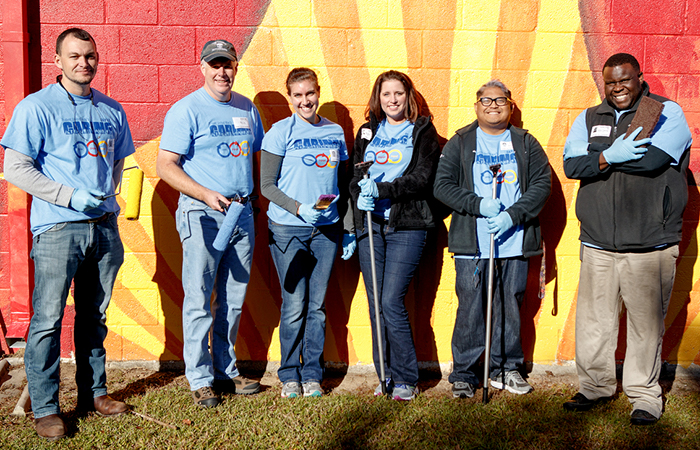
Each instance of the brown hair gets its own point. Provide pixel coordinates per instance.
(375, 107)
(301, 74)
(77, 33)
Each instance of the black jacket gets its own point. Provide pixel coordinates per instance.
(633, 206)
(411, 194)
(454, 187)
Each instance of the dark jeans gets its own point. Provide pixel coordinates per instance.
(469, 336)
(303, 257)
(396, 254)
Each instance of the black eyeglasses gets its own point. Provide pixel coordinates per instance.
(500, 101)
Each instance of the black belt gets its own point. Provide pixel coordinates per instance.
(102, 218)
(243, 200)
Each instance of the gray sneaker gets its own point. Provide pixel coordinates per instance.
(312, 389)
(389, 388)
(291, 389)
(462, 389)
(404, 392)
(513, 383)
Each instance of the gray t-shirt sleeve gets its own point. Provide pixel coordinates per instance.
(20, 171)
(270, 165)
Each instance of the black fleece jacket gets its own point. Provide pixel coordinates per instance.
(411, 194)
(454, 186)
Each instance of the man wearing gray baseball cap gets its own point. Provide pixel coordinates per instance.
(206, 152)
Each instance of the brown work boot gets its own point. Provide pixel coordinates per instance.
(205, 397)
(50, 427)
(108, 407)
(237, 385)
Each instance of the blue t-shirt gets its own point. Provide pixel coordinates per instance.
(217, 140)
(492, 150)
(391, 149)
(309, 169)
(671, 133)
(75, 145)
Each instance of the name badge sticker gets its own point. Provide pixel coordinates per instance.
(366, 134)
(506, 145)
(110, 146)
(335, 156)
(241, 122)
(601, 131)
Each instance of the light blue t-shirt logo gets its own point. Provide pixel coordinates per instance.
(234, 149)
(393, 156)
(321, 160)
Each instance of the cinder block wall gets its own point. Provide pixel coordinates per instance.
(548, 52)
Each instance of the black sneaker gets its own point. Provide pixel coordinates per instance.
(641, 417)
(581, 403)
(205, 397)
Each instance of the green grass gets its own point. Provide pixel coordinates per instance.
(349, 421)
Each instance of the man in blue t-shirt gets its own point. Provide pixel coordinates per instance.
(66, 145)
(464, 181)
(206, 153)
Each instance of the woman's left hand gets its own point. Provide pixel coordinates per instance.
(368, 188)
(349, 245)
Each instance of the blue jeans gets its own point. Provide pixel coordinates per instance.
(396, 254)
(469, 336)
(89, 254)
(204, 270)
(303, 257)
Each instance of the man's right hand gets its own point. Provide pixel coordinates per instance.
(85, 199)
(214, 200)
(626, 149)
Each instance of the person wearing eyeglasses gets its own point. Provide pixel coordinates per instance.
(65, 145)
(464, 182)
(206, 153)
(630, 206)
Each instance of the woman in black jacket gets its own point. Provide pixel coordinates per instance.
(404, 148)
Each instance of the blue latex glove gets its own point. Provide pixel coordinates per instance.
(490, 207)
(624, 150)
(365, 203)
(85, 199)
(349, 245)
(572, 149)
(308, 213)
(499, 224)
(368, 188)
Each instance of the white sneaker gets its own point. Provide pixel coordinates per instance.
(513, 383)
(312, 389)
(291, 389)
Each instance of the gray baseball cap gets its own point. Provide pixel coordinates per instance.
(218, 49)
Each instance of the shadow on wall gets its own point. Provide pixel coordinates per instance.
(552, 223)
(677, 329)
(168, 268)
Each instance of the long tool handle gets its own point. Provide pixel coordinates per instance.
(377, 317)
(489, 296)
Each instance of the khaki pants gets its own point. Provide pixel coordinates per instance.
(644, 282)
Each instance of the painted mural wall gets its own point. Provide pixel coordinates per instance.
(549, 52)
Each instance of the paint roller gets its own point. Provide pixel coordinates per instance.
(133, 198)
(233, 212)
